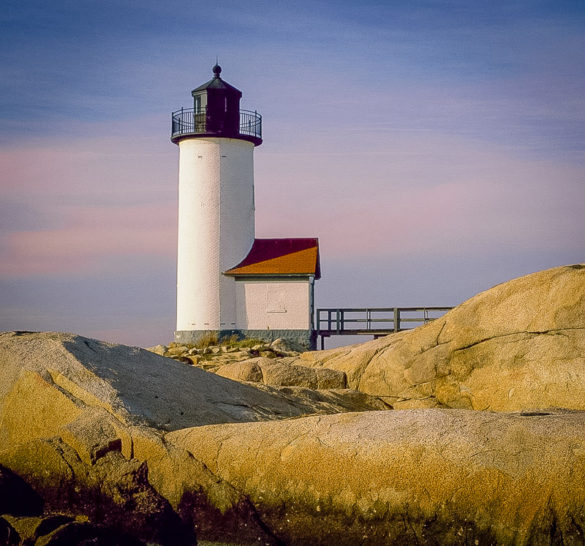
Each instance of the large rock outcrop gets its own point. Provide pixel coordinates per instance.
(518, 345)
(406, 477)
(276, 373)
(82, 422)
(113, 444)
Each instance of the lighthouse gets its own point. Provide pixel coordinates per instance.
(225, 277)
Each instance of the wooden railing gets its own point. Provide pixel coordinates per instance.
(376, 321)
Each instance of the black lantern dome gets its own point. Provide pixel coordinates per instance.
(216, 113)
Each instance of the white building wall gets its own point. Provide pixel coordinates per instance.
(273, 304)
(216, 228)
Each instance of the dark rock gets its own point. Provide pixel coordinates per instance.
(8, 534)
(16, 496)
(85, 534)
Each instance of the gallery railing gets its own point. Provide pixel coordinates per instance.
(188, 121)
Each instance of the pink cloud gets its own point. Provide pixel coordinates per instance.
(90, 235)
(109, 161)
(420, 194)
(396, 193)
(94, 198)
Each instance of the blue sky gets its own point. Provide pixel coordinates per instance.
(436, 148)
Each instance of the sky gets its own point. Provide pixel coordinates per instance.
(436, 148)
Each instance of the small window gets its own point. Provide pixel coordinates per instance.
(197, 107)
(225, 104)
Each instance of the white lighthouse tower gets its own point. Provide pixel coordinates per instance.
(228, 282)
(216, 204)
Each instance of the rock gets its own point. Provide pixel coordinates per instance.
(286, 346)
(32, 528)
(79, 419)
(415, 476)
(16, 496)
(519, 345)
(114, 491)
(178, 350)
(8, 534)
(76, 532)
(158, 349)
(331, 400)
(240, 355)
(154, 450)
(46, 381)
(248, 370)
(279, 374)
(280, 345)
(183, 359)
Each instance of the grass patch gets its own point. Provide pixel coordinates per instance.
(207, 340)
(211, 339)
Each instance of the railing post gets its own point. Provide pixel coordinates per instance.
(396, 319)
(337, 319)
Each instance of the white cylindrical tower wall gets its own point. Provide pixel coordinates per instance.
(216, 228)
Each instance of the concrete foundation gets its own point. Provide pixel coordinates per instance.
(307, 339)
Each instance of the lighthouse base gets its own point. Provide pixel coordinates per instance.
(305, 339)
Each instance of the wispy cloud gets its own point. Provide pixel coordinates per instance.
(85, 201)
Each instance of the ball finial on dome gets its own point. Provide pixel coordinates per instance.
(217, 70)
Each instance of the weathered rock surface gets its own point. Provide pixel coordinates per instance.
(282, 374)
(120, 445)
(408, 477)
(48, 379)
(82, 421)
(227, 351)
(518, 345)
(245, 370)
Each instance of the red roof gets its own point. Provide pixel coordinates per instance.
(271, 257)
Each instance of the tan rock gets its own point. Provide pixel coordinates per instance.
(158, 349)
(519, 345)
(113, 490)
(193, 359)
(279, 374)
(416, 476)
(178, 350)
(31, 529)
(280, 345)
(81, 420)
(326, 401)
(47, 381)
(247, 370)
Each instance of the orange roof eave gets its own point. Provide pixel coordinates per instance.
(303, 262)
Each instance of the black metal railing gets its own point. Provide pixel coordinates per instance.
(188, 121)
